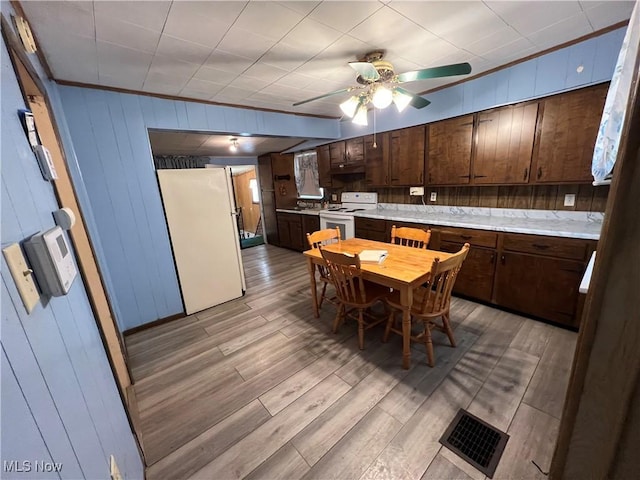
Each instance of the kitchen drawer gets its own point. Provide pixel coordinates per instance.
(371, 224)
(478, 238)
(570, 248)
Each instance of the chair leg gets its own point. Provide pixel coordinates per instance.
(322, 295)
(360, 329)
(336, 322)
(447, 329)
(428, 343)
(387, 329)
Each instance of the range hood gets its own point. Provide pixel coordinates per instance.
(347, 169)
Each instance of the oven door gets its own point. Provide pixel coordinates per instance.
(345, 223)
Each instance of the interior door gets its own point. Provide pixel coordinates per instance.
(200, 211)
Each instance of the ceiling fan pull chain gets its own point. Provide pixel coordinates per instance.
(375, 145)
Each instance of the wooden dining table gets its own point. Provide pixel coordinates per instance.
(404, 269)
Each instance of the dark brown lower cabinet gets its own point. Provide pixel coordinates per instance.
(293, 229)
(475, 278)
(544, 287)
(371, 229)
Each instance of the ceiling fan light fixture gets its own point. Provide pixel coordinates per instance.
(401, 100)
(234, 145)
(382, 97)
(360, 118)
(350, 106)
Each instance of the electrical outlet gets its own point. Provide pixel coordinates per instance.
(569, 199)
(419, 191)
(433, 197)
(334, 197)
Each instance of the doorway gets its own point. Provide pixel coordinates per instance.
(247, 196)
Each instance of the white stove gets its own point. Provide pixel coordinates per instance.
(343, 216)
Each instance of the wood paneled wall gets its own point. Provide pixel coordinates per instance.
(539, 197)
(244, 200)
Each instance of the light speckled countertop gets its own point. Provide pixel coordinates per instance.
(585, 225)
(306, 211)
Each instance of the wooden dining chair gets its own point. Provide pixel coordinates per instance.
(353, 292)
(430, 302)
(410, 237)
(319, 239)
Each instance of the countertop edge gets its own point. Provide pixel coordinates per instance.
(460, 223)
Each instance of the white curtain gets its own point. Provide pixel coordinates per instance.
(306, 173)
(606, 149)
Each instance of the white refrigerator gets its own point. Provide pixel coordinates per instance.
(201, 216)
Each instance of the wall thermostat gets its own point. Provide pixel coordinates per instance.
(51, 261)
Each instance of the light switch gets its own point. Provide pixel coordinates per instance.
(22, 276)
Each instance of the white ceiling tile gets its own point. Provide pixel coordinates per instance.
(343, 16)
(345, 49)
(138, 13)
(421, 47)
(265, 72)
(302, 7)
(285, 56)
(116, 61)
(530, 16)
(234, 92)
(456, 22)
(194, 94)
(203, 86)
(383, 27)
(561, 32)
(201, 22)
(245, 43)
(228, 62)
(603, 14)
(268, 19)
(173, 67)
(165, 79)
(187, 51)
(296, 80)
(214, 75)
(497, 39)
(65, 16)
(250, 83)
(509, 52)
(287, 93)
(72, 69)
(126, 34)
(129, 82)
(312, 36)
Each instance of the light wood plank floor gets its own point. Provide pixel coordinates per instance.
(258, 388)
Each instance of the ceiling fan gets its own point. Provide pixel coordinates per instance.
(379, 84)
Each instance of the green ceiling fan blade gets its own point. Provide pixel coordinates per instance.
(416, 100)
(366, 70)
(435, 72)
(344, 90)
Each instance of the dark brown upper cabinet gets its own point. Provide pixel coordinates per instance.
(377, 159)
(449, 157)
(346, 152)
(324, 166)
(407, 156)
(504, 145)
(566, 135)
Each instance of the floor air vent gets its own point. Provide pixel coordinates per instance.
(475, 441)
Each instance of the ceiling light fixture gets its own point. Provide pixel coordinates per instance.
(382, 97)
(234, 145)
(360, 118)
(349, 106)
(401, 100)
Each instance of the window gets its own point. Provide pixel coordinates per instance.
(306, 172)
(253, 186)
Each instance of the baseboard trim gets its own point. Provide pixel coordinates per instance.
(155, 323)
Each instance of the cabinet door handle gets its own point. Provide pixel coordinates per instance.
(386, 179)
(526, 172)
(540, 246)
(479, 176)
(493, 257)
(465, 176)
(421, 175)
(502, 259)
(486, 120)
(539, 172)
